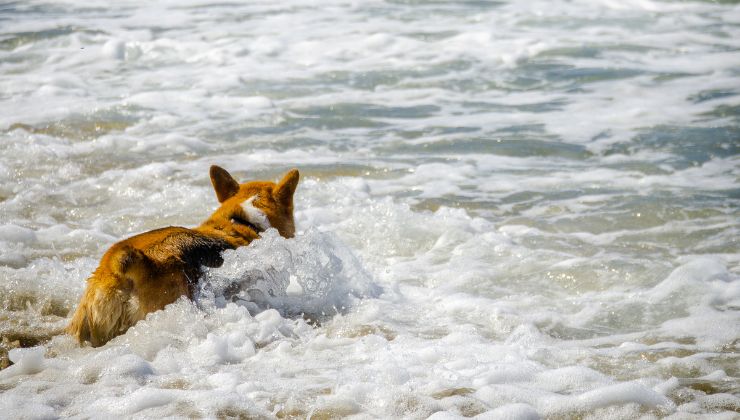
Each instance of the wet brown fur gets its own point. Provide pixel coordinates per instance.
(146, 272)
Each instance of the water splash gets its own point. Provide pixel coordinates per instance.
(314, 274)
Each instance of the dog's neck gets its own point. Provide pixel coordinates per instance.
(228, 232)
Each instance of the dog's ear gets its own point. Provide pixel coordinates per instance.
(286, 187)
(224, 184)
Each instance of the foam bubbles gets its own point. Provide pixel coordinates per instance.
(27, 361)
(507, 208)
(115, 49)
(325, 275)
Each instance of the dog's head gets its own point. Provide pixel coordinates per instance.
(250, 208)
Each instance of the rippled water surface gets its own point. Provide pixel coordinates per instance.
(508, 209)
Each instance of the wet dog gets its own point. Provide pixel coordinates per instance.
(146, 272)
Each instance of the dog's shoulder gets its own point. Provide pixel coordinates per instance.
(178, 245)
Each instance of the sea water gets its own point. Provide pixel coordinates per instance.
(508, 209)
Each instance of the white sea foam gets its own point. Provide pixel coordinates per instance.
(313, 274)
(506, 210)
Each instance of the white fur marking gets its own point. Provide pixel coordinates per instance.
(255, 215)
(133, 306)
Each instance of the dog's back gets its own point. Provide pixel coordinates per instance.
(139, 275)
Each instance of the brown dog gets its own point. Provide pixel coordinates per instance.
(148, 271)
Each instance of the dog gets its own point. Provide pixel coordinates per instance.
(146, 272)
